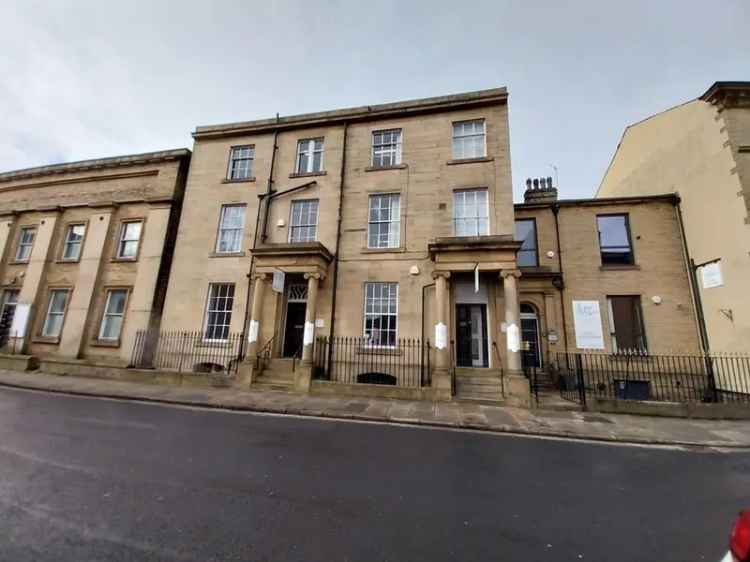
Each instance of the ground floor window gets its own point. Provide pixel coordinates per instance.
(219, 311)
(53, 322)
(7, 311)
(114, 312)
(381, 313)
(626, 323)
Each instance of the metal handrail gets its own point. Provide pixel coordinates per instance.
(453, 368)
(265, 351)
(296, 354)
(500, 366)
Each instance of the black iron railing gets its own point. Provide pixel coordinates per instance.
(356, 360)
(186, 352)
(690, 377)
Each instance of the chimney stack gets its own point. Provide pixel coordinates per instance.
(540, 190)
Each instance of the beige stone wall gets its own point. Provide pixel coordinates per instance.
(100, 197)
(694, 150)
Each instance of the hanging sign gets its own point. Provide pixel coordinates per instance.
(711, 275)
(278, 281)
(587, 320)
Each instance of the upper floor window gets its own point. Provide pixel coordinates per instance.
(526, 234)
(25, 243)
(303, 225)
(384, 222)
(309, 156)
(381, 313)
(614, 239)
(53, 321)
(241, 162)
(114, 313)
(469, 139)
(130, 236)
(218, 311)
(471, 213)
(73, 241)
(626, 323)
(386, 148)
(231, 226)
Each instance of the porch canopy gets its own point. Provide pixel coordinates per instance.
(463, 253)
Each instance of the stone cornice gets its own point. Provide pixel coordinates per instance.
(362, 113)
(145, 158)
(728, 94)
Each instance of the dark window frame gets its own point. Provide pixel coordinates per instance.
(631, 260)
(617, 348)
(536, 240)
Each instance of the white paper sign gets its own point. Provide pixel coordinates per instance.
(513, 337)
(278, 281)
(441, 335)
(711, 275)
(476, 278)
(307, 339)
(20, 320)
(320, 323)
(252, 333)
(587, 320)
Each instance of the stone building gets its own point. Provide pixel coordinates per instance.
(396, 221)
(86, 249)
(701, 150)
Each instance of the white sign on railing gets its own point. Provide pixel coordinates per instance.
(587, 320)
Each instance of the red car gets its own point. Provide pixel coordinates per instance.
(739, 540)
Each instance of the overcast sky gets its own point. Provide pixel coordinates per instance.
(86, 79)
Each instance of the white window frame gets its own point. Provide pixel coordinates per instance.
(477, 217)
(293, 226)
(222, 228)
(106, 314)
(463, 136)
(68, 242)
(49, 313)
(22, 245)
(121, 240)
(314, 146)
(379, 150)
(250, 159)
(394, 222)
(365, 315)
(208, 310)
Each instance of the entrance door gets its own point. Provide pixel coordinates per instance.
(530, 357)
(294, 328)
(471, 335)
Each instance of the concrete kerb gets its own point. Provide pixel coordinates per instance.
(322, 414)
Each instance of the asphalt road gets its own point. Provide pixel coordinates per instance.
(86, 479)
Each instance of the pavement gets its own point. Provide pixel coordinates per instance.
(562, 423)
(100, 480)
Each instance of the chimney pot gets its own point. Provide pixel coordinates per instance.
(528, 183)
(549, 182)
(536, 183)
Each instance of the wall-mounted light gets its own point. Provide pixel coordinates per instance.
(656, 299)
(414, 270)
(550, 254)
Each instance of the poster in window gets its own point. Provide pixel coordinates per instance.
(711, 275)
(587, 320)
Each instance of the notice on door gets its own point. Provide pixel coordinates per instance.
(587, 320)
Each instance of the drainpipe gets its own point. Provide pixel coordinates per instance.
(338, 240)
(269, 189)
(267, 202)
(692, 277)
(561, 287)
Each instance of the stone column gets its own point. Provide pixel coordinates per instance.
(441, 380)
(253, 330)
(312, 301)
(512, 319)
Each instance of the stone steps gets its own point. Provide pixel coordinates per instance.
(482, 385)
(276, 375)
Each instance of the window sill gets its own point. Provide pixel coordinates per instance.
(469, 160)
(124, 260)
(243, 180)
(61, 260)
(398, 250)
(18, 262)
(307, 174)
(45, 339)
(226, 255)
(375, 350)
(615, 267)
(379, 168)
(105, 343)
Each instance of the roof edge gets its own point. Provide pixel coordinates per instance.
(96, 163)
(383, 110)
(595, 201)
(725, 87)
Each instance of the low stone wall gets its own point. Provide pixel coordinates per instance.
(697, 410)
(114, 372)
(327, 388)
(14, 362)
